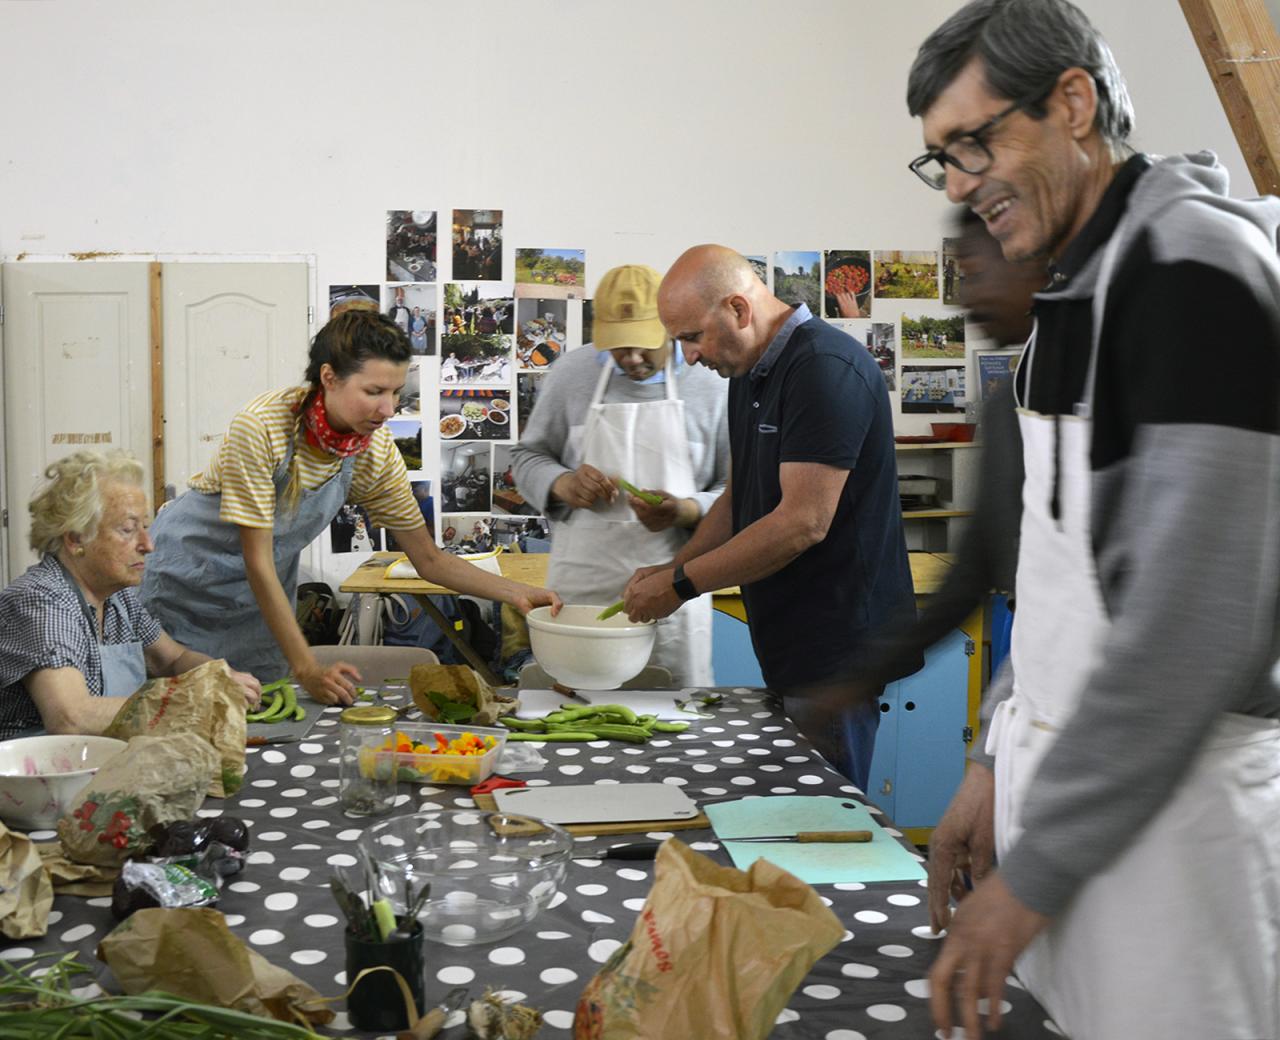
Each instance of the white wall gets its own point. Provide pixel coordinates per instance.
(629, 129)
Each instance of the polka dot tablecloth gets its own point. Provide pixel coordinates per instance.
(872, 985)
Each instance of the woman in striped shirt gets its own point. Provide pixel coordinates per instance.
(227, 551)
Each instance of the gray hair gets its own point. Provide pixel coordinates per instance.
(1025, 45)
(70, 501)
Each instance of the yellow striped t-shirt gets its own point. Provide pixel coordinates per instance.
(249, 455)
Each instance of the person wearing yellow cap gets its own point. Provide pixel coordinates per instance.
(628, 410)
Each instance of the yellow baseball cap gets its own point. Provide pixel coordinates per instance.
(626, 309)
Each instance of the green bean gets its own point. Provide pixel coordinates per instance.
(631, 734)
(670, 727)
(560, 734)
(262, 713)
(514, 723)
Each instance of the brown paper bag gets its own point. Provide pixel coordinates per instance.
(204, 700)
(458, 683)
(153, 780)
(26, 893)
(715, 953)
(75, 879)
(190, 953)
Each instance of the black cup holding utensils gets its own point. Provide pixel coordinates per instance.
(377, 1003)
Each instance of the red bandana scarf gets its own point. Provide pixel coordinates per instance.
(324, 437)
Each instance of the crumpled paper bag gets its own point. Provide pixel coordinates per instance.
(204, 700)
(715, 953)
(153, 780)
(75, 879)
(459, 683)
(26, 893)
(191, 953)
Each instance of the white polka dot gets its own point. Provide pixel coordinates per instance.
(984, 1007)
(924, 931)
(310, 749)
(568, 752)
(870, 917)
(592, 890)
(315, 825)
(507, 955)
(265, 937)
(591, 917)
(244, 886)
(273, 836)
(602, 949)
(260, 783)
(558, 976)
(810, 779)
(235, 920)
(784, 743)
(457, 933)
(306, 848)
(743, 781)
(54, 917)
(635, 905)
(639, 770)
(733, 760)
(904, 900)
(786, 1015)
(98, 901)
(770, 769)
(276, 758)
(704, 846)
(859, 971)
(701, 767)
(602, 760)
(17, 953)
(77, 933)
(559, 1019)
(553, 935)
(294, 873)
(509, 996)
(714, 792)
(893, 950)
(455, 975)
(281, 901)
(307, 956)
(675, 781)
(320, 920)
(571, 770)
(822, 992)
(293, 792)
(631, 874)
(261, 857)
(783, 790)
(351, 834)
(918, 988)
(887, 1012)
(340, 859)
(845, 1034)
(252, 803)
(659, 835)
(556, 900)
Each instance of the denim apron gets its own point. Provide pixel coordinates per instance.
(195, 583)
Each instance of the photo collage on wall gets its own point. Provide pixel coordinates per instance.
(481, 349)
(904, 306)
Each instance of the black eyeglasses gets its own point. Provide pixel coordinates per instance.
(968, 153)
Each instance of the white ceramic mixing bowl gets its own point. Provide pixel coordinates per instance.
(40, 777)
(578, 650)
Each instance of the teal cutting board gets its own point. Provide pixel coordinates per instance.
(881, 859)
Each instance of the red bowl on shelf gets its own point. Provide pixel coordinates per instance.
(954, 431)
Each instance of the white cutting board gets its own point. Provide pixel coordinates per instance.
(662, 703)
(597, 803)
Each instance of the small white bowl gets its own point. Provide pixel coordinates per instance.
(41, 777)
(580, 651)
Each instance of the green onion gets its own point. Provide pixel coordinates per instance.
(644, 496)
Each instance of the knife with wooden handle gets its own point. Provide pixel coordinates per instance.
(841, 837)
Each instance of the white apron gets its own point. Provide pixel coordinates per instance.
(1178, 937)
(595, 551)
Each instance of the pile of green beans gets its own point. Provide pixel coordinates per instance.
(590, 722)
(283, 705)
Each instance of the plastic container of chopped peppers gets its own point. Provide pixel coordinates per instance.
(436, 753)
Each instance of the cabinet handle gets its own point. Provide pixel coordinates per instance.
(886, 787)
(884, 708)
(910, 705)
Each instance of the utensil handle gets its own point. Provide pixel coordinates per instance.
(834, 836)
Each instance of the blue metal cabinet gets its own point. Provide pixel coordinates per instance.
(920, 748)
(733, 661)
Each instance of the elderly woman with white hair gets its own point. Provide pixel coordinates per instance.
(76, 636)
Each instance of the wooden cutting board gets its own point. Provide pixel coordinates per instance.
(486, 803)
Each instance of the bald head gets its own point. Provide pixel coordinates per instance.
(712, 301)
(706, 275)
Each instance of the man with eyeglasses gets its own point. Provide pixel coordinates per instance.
(1131, 769)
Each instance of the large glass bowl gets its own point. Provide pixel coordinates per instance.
(491, 873)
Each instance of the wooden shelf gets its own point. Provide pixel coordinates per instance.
(934, 514)
(939, 446)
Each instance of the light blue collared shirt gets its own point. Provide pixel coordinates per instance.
(779, 342)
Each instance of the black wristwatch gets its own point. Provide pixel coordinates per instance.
(683, 586)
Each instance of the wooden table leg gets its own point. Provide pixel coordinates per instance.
(451, 633)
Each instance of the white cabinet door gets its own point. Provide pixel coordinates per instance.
(231, 331)
(76, 374)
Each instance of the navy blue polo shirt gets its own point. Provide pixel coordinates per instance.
(817, 395)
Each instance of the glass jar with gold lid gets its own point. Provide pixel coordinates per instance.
(367, 762)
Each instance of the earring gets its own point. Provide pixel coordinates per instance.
(79, 550)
